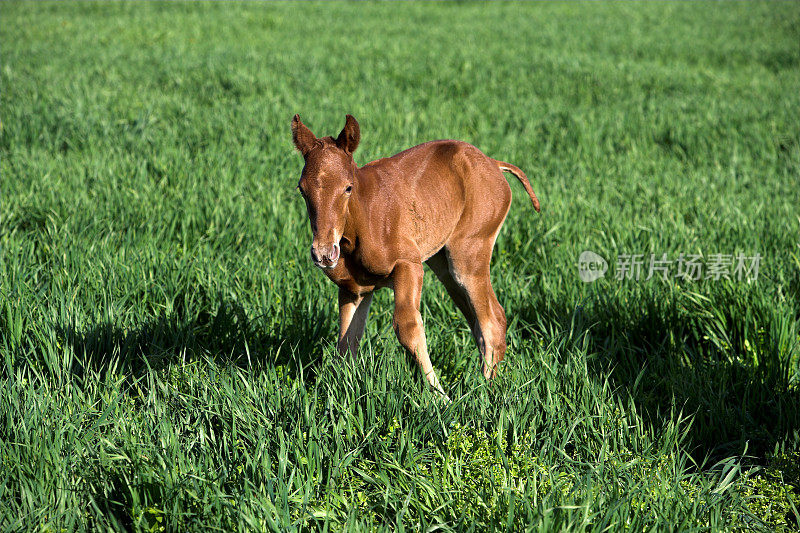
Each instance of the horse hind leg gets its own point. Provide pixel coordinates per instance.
(464, 271)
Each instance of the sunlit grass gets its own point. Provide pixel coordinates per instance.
(167, 347)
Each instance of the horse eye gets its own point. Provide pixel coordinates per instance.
(348, 189)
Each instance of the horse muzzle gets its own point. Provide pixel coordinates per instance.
(325, 256)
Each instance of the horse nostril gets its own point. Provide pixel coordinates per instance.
(325, 256)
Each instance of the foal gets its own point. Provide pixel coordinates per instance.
(440, 203)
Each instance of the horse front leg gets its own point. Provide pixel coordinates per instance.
(353, 312)
(407, 322)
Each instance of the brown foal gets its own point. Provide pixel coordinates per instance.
(440, 203)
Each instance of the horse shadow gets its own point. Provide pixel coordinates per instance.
(662, 359)
(228, 335)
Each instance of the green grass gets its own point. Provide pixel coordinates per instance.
(167, 348)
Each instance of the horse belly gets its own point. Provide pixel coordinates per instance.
(434, 214)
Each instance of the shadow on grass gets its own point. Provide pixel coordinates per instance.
(227, 336)
(732, 371)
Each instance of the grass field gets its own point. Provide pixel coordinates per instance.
(167, 348)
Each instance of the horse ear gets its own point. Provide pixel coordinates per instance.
(303, 139)
(350, 136)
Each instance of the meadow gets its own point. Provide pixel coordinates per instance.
(167, 349)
